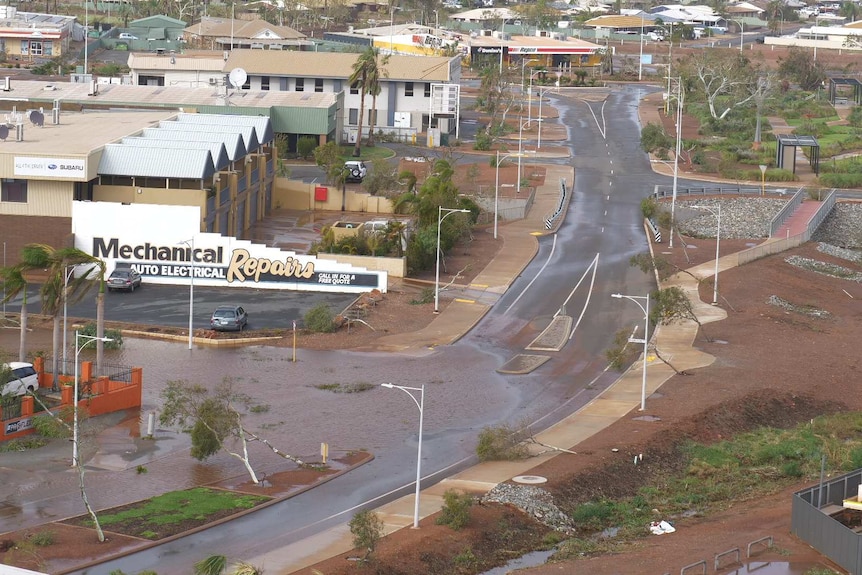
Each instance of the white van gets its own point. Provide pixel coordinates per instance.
(22, 378)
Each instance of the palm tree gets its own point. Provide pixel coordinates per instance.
(15, 283)
(374, 89)
(57, 291)
(364, 68)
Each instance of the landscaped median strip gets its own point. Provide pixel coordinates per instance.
(197, 340)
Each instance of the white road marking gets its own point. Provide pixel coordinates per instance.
(545, 265)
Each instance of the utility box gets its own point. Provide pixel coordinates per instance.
(320, 193)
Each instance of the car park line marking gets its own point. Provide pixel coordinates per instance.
(479, 285)
(545, 265)
(465, 300)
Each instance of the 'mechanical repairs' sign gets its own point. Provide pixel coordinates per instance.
(211, 259)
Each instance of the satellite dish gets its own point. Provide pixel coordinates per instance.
(4, 132)
(237, 77)
(37, 118)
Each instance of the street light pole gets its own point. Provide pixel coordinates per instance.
(191, 247)
(679, 105)
(762, 178)
(440, 218)
(88, 339)
(716, 211)
(644, 308)
(641, 61)
(497, 179)
(420, 403)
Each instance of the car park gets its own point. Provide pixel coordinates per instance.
(356, 170)
(20, 378)
(229, 318)
(124, 279)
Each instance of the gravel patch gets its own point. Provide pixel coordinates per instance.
(533, 501)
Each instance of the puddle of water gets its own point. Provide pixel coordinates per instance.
(529, 560)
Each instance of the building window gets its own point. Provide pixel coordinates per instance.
(247, 85)
(408, 88)
(25, 47)
(264, 82)
(318, 84)
(48, 48)
(354, 88)
(36, 47)
(14, 191)
(353, 116)
(300, 84)
(427, 89)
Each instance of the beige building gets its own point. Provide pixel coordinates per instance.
(227, 34)
(29, 35)
(223, 165)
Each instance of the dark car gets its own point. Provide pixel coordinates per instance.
(124, 279)
(229, 318)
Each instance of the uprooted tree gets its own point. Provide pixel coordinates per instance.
(214, 420)
(670, 305)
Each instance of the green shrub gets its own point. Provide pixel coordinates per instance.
(456, 509)
(48, 426)
(42, 538)
(114, 335)
(466, 559)
(649, 207)
(841, 180)
(305, 146)
(502, 443)
(319, 319)
(367, 529)
(653, 137)
(427, 296)
(483, 141)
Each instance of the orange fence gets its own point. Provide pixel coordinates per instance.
(105, 396)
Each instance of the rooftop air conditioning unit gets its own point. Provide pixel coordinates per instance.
(213, 81)
(542, 33)
(486, 32)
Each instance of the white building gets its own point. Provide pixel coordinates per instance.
(403, 105)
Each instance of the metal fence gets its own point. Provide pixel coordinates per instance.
(664, 192)
(786, 211)
(11, 408)
(812, 522)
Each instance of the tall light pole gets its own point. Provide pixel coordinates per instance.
(440, 217)
(420, 403)
(78, 347)
(191, 247)
(645, 340)
(741, 31)
(716, 211)
(679, 102)
(641, 61)
(539, 119)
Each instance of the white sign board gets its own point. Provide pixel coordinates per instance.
(164, 245)
(50, 167)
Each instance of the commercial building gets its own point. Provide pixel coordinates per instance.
(29, 35)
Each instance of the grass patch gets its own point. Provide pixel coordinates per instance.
(23, 444)
(345, 387)
(713, 476)
(173, 512)
(366, 153)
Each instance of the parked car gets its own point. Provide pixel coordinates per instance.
(127, 36)
(356, 170)
(124, 279)
(229, 318)
(20, 379)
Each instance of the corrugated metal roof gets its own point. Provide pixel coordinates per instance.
(123, 160)
(232, 142)
(217, 150)
(145, 61)
(249, 137)
(335, 65)
(241, 29)
(261, 124)
(615, 21)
